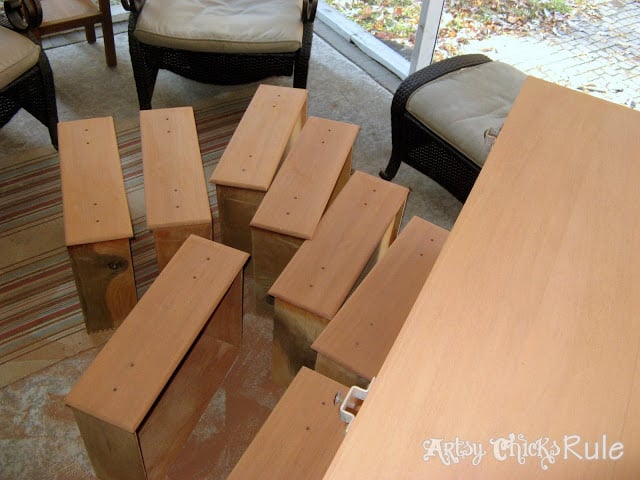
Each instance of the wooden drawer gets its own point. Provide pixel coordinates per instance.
(97, 224)
(250, 161)
(175, 190)
(312, 175)
(352, 236)
(143, 394)
(352, 348)
(302, 434)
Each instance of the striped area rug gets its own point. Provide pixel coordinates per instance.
(38, 300)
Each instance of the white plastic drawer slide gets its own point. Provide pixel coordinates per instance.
(352, 402)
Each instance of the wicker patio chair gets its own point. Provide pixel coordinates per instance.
(445, 117)
(26, 80)
(219, 43)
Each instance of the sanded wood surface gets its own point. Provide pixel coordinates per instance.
(273, 119)
(364, 329)
(185, 398)
(128, 375)
(294, 330)
(168, 240)
(94, 202)
(325, 268)
(530, 320)
(271, 253)
(346, 376)
(103, 274)
(307, 179)
(113, 452)
(301, 435)
(175, 188)
(236, 208)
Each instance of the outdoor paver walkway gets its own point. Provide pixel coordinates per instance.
(599, 57)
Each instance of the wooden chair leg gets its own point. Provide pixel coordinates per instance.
(90, 33)
(107, 33)
(109, 43)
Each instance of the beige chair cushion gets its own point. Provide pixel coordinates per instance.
(223, 26)
(19, 54)
(461, 106)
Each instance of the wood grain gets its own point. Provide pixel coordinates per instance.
(301, 435)
(361, 334)
(139, 400)
(325, 268)
(168, 240)
(181, 405)
(261, 141)
(126, 378)
(308, 178)
(271, 253)
(113, 452)
(336, 371)
(316, 169)
(236, 208)
(529, 321)
(94, 202)
(352, 236)
(103, 274)
(294, 330)
(175, 189)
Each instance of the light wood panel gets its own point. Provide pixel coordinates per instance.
(94, 202)
(113, 452)
(141, 397)
(157, 334)
(261, 141)
(174, 185)
(316, 169)
(351, 237)
(530, 320)
(271, 253)
(167, 241)
(308, 178)
(97, 223)
(175, 189)
(353, 346)
(301, 435)
(236, 208)
(326, 267)
(103, 274)
(271, 122)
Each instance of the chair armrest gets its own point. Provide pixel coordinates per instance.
(309, 8)
(429, 73)
(132, 5)
(23, 15)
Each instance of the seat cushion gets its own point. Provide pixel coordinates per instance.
(19, 54)
(461, 106)
(223, 26)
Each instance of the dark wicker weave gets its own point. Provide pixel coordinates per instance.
(215, 68)
(33, 90)
(419, 147)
